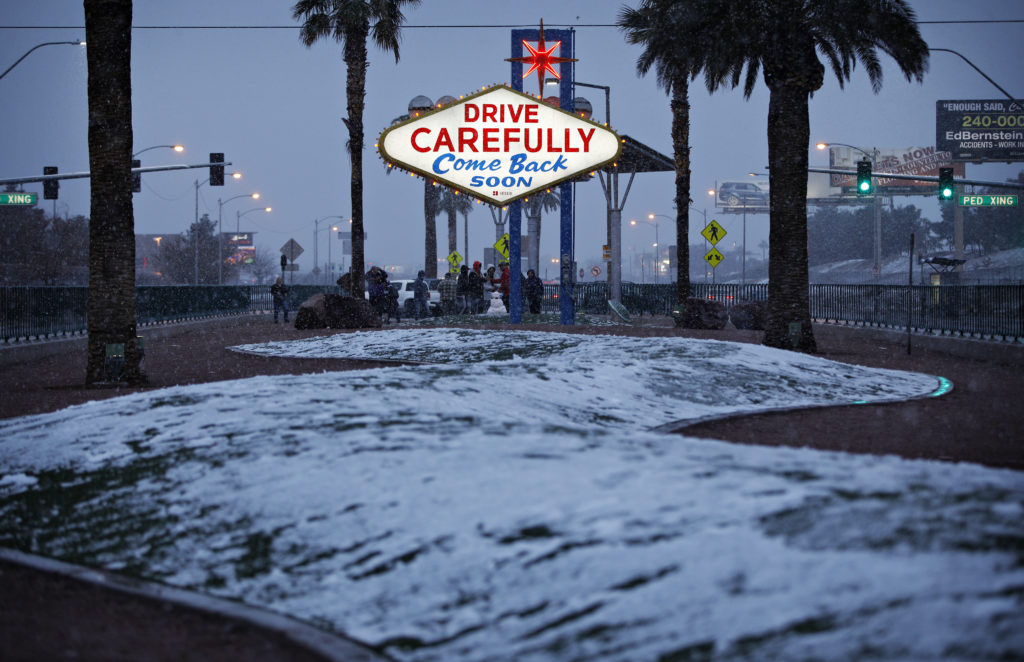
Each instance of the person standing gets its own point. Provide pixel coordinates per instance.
(462, 290)
(447, 289)
(506, 283)
(534, 291)
(377, 289)
(476, 289)
(492, 281)
(279, 291)
(420, 294)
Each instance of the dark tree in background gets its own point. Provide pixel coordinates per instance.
(36, 249)
(350, 22)
(987, 229)
(659, 26)
(176, 259)
(108, 31)
(840, 234)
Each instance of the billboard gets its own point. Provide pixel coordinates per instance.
(923, 161)
(980, 130)
(742, 195)
(238, 247)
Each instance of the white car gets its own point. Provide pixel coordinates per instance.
(405, 296)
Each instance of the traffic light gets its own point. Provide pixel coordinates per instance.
(864, 186)
(50, 186)
(136, 176)
(216, 171)
(947, 187)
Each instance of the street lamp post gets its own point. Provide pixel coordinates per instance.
(316, 230)
(873, 155)
(657, 242)
(220, 232)
(48, 43)
(234, 175)
(240, 214)
(614, 207)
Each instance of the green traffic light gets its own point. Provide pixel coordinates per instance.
(947, 193)
(865, 186)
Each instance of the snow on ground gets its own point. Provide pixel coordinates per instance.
(509, 500)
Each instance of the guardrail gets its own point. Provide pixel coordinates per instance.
(982, 311)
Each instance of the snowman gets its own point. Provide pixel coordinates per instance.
(497, 307)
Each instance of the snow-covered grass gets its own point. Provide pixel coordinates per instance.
(509, 499)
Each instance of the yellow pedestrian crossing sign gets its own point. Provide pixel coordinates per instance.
(454, 260)
(714, 258)
(714, 233)
(502, 245)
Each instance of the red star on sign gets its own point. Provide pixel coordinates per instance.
(540, 59)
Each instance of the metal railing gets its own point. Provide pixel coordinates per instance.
(984, 311)
(40, 312)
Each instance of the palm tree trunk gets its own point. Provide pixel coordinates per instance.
(112, 224)
(681, 152)
(430, 196)
(453, 230)
(789, 134)
(533, 237)
(355, 91)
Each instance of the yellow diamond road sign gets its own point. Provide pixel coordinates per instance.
(454, 259)
(502, 246)
(714, 233)
(714, 258)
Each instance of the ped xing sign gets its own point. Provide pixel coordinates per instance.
(499, 145)
(987, 200)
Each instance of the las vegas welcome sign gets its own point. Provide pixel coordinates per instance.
(499, 145)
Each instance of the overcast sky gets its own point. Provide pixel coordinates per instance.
(273, 107)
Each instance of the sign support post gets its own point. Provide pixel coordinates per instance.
(567, 310)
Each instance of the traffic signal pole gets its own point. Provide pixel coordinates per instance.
(86, 175)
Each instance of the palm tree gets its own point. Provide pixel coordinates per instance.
(112, 224)
(431, 208)
(452, 203)
(349, 23)
(784, 39)
(660, 26)
(534, 206)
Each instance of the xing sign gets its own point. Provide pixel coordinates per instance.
(18, 198)
(499, 145)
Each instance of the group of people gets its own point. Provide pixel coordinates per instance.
(471, 291)
(383, 295)
(468, 293)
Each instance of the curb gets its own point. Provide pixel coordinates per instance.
(331, 647)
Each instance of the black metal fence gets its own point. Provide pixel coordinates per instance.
(984, 311)
(981, 311)
(38, 312)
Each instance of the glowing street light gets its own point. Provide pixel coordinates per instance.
(176, 148)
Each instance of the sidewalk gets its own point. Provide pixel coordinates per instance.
(50, 613)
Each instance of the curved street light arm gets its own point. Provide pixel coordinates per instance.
(48, 43)
(984, 75)
(176, 148)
